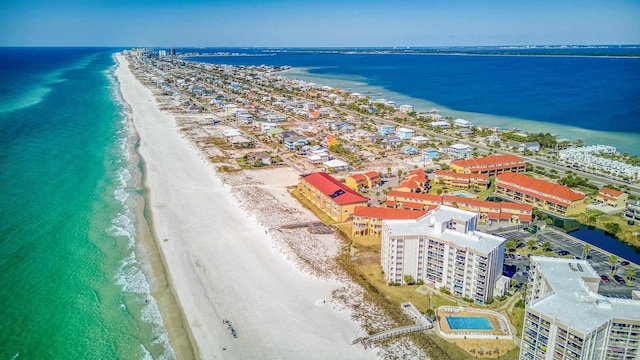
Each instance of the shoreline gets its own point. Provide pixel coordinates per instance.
(227, 258)
(155, 267)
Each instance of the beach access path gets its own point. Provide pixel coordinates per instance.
(221, 263)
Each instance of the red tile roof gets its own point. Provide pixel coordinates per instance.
(537, 185)
(386, 213)
(515, 206)
(412, 205)
(373, 176)
(416, 196)
(490, 162)
(359, 178)
(611, 192)
(409, 184)
(459, 176)
(333, 188)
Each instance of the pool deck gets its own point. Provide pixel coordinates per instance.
(479, 343)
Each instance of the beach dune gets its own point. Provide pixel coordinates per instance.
(222, 263)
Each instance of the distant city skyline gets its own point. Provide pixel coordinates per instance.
(330, 23)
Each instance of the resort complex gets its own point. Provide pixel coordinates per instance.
(334, 198)
(566, 318)
(489, 165)
(418, 207)
(443, 248)
(544, 195)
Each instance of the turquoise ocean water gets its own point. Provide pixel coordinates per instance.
(72, 283)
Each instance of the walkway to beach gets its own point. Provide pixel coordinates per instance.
(422, 323)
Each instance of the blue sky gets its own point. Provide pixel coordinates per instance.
(164, 23)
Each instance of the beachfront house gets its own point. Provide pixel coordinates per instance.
(462, 123)
(406, 108)
(440, 124)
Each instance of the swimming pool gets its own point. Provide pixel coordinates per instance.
(469, 323)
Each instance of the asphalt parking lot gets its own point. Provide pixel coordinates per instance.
(598, 259)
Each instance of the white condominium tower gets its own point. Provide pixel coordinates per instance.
(444, 248)
(566, 318)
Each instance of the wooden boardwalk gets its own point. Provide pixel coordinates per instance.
(315, 227)
(422, 323)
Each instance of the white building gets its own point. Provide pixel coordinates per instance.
(458, 151)
(405, 133)
(406, 108)
(443, 248)
(462, 123)
(566, 318)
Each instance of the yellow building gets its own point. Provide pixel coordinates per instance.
(368, 220)
(613, 198)
(490, 165)
(330, 195)
(542, 194)
(361, 181)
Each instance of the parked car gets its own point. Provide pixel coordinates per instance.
(605, 279)
(619, 279)
(563, 253)
(625, 263)
(576, 258)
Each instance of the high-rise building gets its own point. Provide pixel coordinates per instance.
(566, 318)
(443, 248)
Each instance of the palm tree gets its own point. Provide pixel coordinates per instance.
(631, 274)
(586, 249)
(612, 260)
(546, 246)
(531, 244)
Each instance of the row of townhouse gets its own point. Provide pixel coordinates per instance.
(463, 181)
(416, 181)
(612, 198)
(587, 158)
(545, 195)
(332, 197)
(489, 165)
(367, 220)
(632, 211)
(443, 248)
(366, 180)
(487, 210)
(566, 318)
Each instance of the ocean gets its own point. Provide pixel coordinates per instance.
(564, 92)
(74, 283)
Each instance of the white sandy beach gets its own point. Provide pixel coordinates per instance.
(222, 262)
